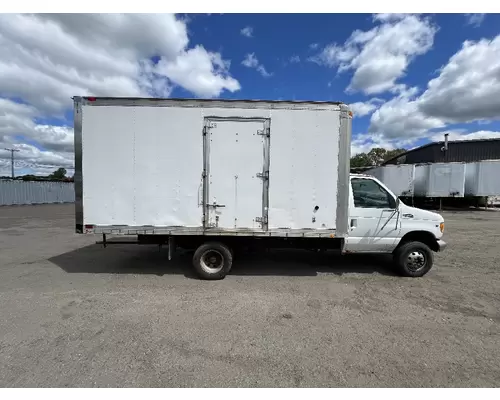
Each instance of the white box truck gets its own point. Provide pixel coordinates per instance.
(216, 176)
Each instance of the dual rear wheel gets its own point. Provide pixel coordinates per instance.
(213, 260)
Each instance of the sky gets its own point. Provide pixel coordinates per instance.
(409, 78)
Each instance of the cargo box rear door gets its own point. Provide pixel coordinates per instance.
(236, 173)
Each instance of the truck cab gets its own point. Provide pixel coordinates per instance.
(379, 222)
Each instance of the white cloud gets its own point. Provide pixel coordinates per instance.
(54, 138)
(200, 72)
(313, 46)
(46, 59)
(466, 90)
(389, 17)
(475, 19)
(15, 117)
(364, 143)
(251, 61)
(361, 109)
(400, 117)
(460, 135)
(380, 56)
(39, 161)
(264, 72)
(294, 59)
(247, 31)
(468, 86)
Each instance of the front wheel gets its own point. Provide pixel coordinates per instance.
(212, 260)
(413, 259)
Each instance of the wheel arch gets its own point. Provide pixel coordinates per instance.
(425, 237)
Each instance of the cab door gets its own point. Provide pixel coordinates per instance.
(373, 217)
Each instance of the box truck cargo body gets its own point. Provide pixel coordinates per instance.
(216, 175)
(181, 167)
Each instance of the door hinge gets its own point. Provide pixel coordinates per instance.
(264, 132)
(205, 131)
(263, 175)
(262, 220)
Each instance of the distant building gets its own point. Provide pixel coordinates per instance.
(451, 151)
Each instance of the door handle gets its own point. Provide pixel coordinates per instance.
(354, 223)
(217, 205)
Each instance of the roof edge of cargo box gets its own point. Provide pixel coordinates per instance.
(188, 99)
(131, 101)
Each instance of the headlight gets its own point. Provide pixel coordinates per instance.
(441, 227)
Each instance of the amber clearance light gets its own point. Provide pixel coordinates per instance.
(441, 227)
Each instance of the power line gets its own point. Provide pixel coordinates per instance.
(12, 151)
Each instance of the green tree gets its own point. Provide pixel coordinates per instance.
(374, 157)
(360, 160)
(59, 174)
(377, 155)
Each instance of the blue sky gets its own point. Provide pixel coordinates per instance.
(276, 38)
(409, 78)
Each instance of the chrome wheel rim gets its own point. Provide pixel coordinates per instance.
(212, 261)
(415, 261)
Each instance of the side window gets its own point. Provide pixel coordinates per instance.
(369, 194)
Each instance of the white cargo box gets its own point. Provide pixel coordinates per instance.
(398, 178)
(211, 167)
(440, 180)
(483, 178)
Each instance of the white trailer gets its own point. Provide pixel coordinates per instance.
(440, 180)
(483, 178)
(398, 178)
(218, 175)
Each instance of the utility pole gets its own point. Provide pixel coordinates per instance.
(12, 151)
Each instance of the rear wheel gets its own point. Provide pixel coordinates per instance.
(413, 259)
(212, 260)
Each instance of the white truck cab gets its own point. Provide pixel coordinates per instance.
(379, 222)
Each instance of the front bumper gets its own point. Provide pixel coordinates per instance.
(441, 245)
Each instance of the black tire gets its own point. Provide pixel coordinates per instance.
(413, 259)
(212, 260)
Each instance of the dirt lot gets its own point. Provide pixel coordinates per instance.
(75, 314)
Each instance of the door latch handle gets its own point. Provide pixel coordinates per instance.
(218, 205)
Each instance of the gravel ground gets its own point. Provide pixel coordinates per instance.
(75, 314)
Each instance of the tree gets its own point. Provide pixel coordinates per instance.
(374, 157)
(393, 153)
(59, 174)
(360, 160)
